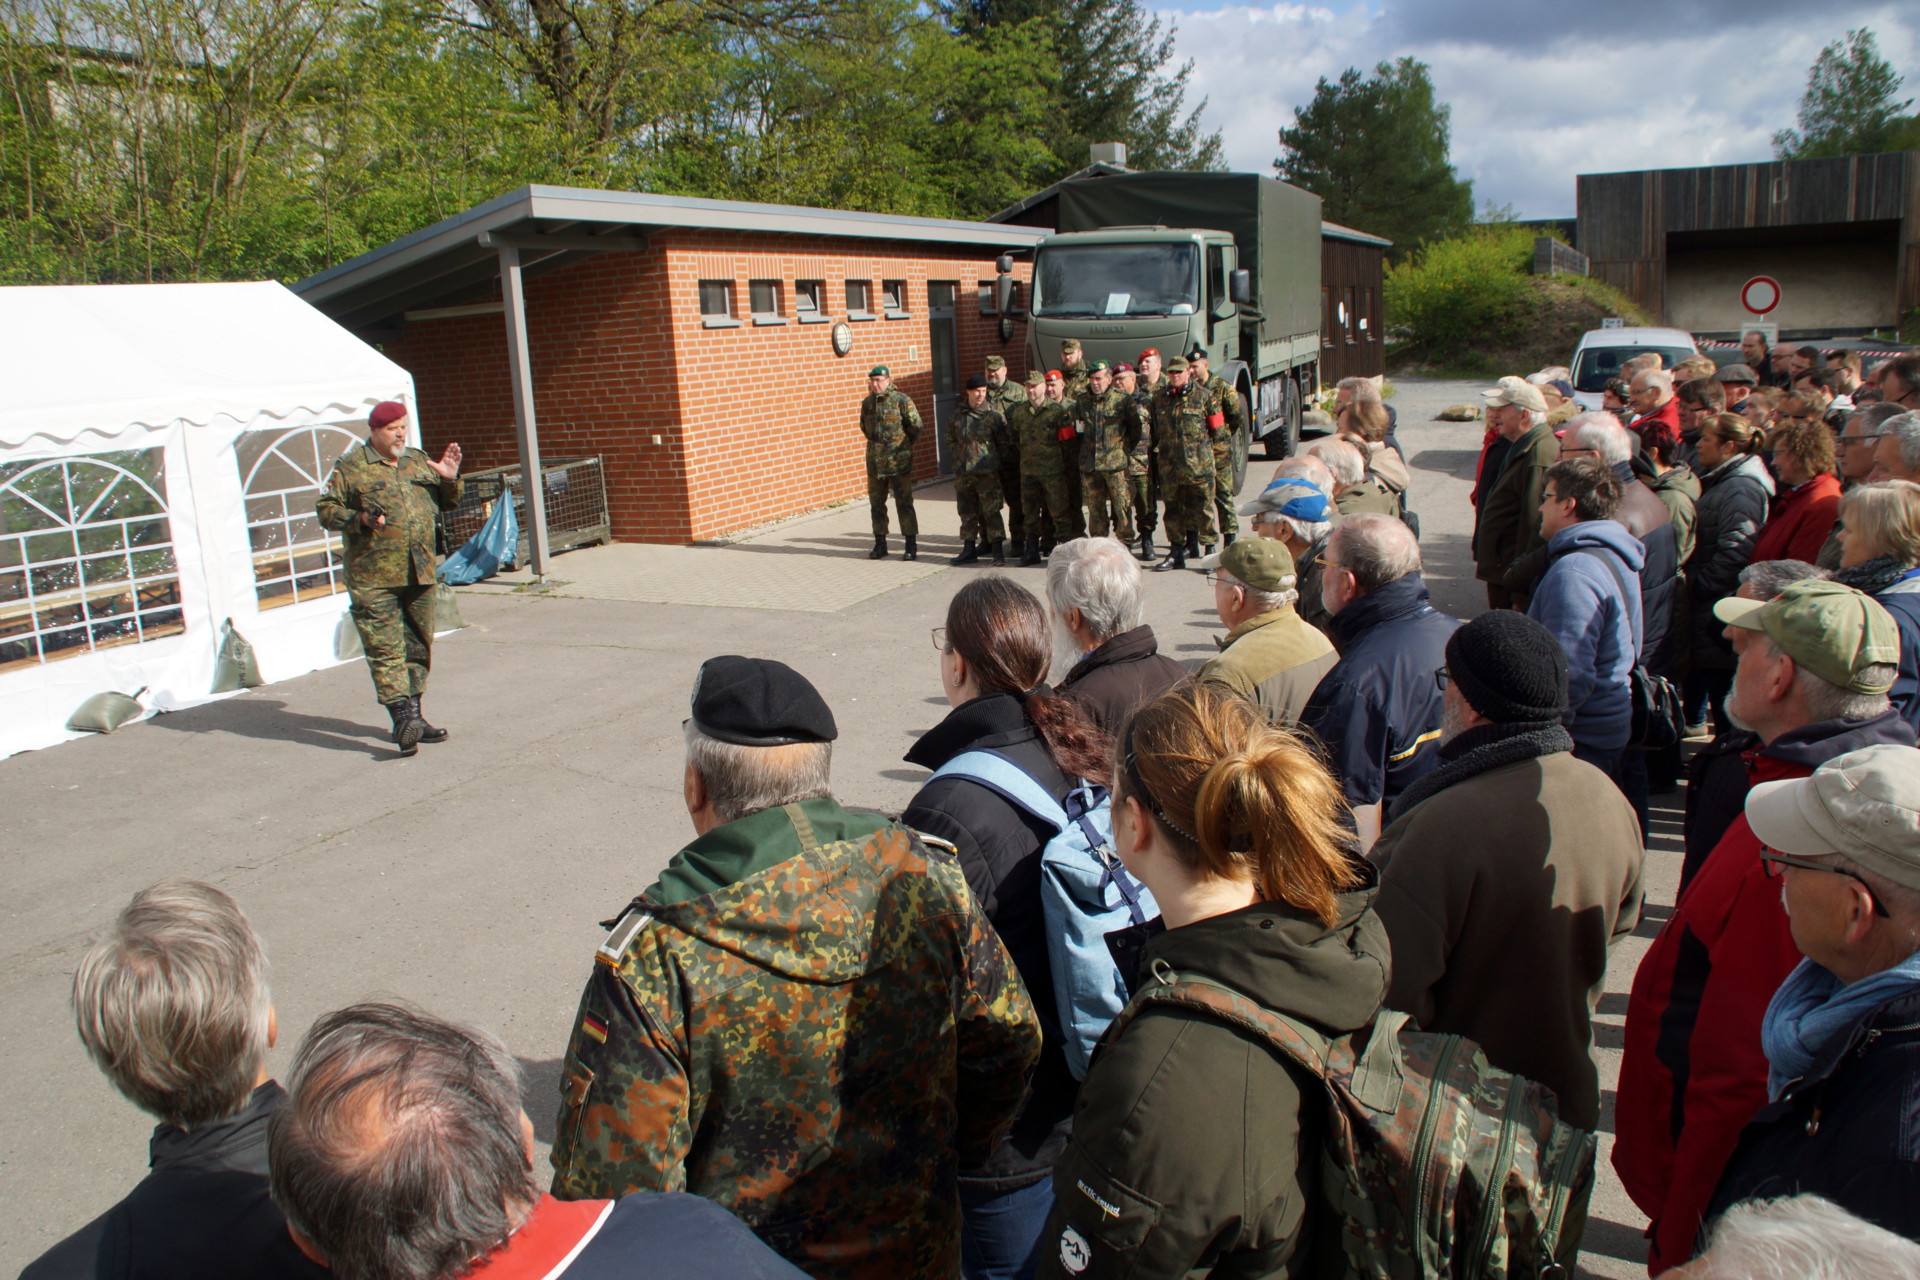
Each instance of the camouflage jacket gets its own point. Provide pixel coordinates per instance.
(1036, 433)
(1140, 410)
(817, 1045)
(1107, 430)
(1180, 432)
(1004, 397)
(1077, 382)
(1231, 404)
(977, 441)
(891, 423)
(409, 493)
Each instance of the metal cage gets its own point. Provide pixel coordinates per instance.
(576, 494)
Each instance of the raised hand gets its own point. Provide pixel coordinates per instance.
(449, 464)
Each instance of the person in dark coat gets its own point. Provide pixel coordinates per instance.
(1842, 1034)
(1093, 596)
(993, 660)
(1735, 488)
(174, 1008)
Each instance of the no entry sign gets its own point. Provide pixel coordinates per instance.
(1760, 295)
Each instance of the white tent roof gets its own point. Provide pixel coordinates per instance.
(105, 357)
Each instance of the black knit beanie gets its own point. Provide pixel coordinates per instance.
(1510, 668)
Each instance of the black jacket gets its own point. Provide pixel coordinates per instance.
(1648, 519)
(202, 1212)
(999, 846)
(1126, 672)
(1849, 1131)
(1718, 778)
(1732, 508)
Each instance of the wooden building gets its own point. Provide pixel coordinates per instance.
(1841, 236)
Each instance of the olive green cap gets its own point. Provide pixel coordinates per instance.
(1831, 630)
(1264, 564)
(879, 371)
(1069, 344)
(995, 362)
(1177, 365)
(1035, 378)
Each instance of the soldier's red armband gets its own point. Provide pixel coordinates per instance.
(1215, 421)
(1065, 433)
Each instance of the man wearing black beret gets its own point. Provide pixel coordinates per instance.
(806, 1018)
(1508, 873)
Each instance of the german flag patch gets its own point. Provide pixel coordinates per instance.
(594, 1027)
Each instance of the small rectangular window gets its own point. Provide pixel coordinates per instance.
(894, 294)
(859, 300)
(716, 304)
(987, 307)
(810, 300)
(763, 297)
(940, 295)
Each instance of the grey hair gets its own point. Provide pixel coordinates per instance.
(398, 1150)
(1661, 378)
(1906, 429)
(1377, 549)
(1362, 388)
(1803, 1237)
(743, 780)
(1307, 467)
(1601, 431)
(1262, 601)
(1101, 579)
(1769, 578)
(1872, 416)
(1348, 464)
(1828, 701)
(173, 1003)
(1307, 531)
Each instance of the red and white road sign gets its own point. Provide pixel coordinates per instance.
(1760, 295)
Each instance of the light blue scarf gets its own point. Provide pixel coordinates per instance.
(1812, 1007)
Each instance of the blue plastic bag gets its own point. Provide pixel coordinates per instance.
(489, 551)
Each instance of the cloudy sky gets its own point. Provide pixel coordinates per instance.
(1541, 90)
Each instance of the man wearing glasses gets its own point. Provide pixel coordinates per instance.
(1270, 656)
(1815, 664)
(1842, 1035)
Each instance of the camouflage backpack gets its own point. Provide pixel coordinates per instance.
(1435, 1162)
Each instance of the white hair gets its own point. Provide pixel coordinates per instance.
(1306, 467)
(1344, 461)
(1553, 372)
(743, 780)
(1377, 549)
(1101, 579)
(1661, 378)
(1262, 601)
(1601, 431)
(1906, 429)
(1803, 1238)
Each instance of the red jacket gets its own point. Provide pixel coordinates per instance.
(1693, 1072)
(1648, 426)
(1800, 521)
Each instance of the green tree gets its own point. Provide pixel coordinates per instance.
(1375, 150)
(1849, 106)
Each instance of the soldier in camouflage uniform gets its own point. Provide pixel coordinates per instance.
(1070, 448)
(1073, 368)
(891, 423)
(383, 498)
(977, 439)
(1104, 421)
(1140, 457)
(1152, 380)
(1003, 393)
(1226, 499)
(806, 1019)
(1040, 430)
(1182, 412)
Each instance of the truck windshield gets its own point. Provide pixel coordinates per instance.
(1117, 280)
(1597, 364)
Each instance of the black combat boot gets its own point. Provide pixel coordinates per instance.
(879, 551)
(913, 547)
(968, 553)
(1209, 549)
(1193, 545)
(428, 733)
(1030, 553)
(1226, 540)
(1146, 545)
(1176, 558)
(1046, 547)
(406, 726)
(999, 547)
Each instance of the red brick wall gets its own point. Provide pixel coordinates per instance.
(754, 422)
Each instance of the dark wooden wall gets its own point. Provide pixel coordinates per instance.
(1351, 273)
(1625, 218)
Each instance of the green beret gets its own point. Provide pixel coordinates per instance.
(1097, 366)
(879, 371)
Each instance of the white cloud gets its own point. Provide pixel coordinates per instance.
(1526, 120)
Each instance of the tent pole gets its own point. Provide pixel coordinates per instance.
(528, 434)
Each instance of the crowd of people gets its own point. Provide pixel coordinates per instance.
(838, 1043)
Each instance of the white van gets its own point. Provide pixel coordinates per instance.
(1602, 351)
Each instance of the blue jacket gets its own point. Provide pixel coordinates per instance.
(1581, 602)
(1849, 1131)
(1378, 709)
(1902, 600)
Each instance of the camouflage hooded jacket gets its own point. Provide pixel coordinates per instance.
(891, 423)
(409, 493)
(817, 1045)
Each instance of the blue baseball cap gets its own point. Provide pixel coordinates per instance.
(1301, 499)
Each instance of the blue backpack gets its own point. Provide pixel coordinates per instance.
(1085, 894)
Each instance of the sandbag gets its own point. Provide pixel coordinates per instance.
(237, 667)
(1459, 413)
(105, 712)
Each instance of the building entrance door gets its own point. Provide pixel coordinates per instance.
(943, 339)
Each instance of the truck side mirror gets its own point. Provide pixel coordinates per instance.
(1240, 287)
(1003, 293)
(1004, 264)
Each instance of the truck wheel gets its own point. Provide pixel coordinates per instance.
(1283, 439)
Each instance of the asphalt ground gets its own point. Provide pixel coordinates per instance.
(470, 878)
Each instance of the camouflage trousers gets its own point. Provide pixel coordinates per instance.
(1050, 517)
(1016, 509)
(1109, 504)
(1226, 499)
(1189, 509)
(1144, 498)
(978, 497)
(902, 487)
(396, 630)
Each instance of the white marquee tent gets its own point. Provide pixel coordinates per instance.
(160, 449)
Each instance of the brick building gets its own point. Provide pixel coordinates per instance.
(712, 353)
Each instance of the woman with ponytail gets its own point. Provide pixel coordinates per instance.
(994, 652)
(1735, 491)
(1194, 1146)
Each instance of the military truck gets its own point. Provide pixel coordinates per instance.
(1225, 261)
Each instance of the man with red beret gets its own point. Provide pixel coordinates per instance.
(382, 498)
